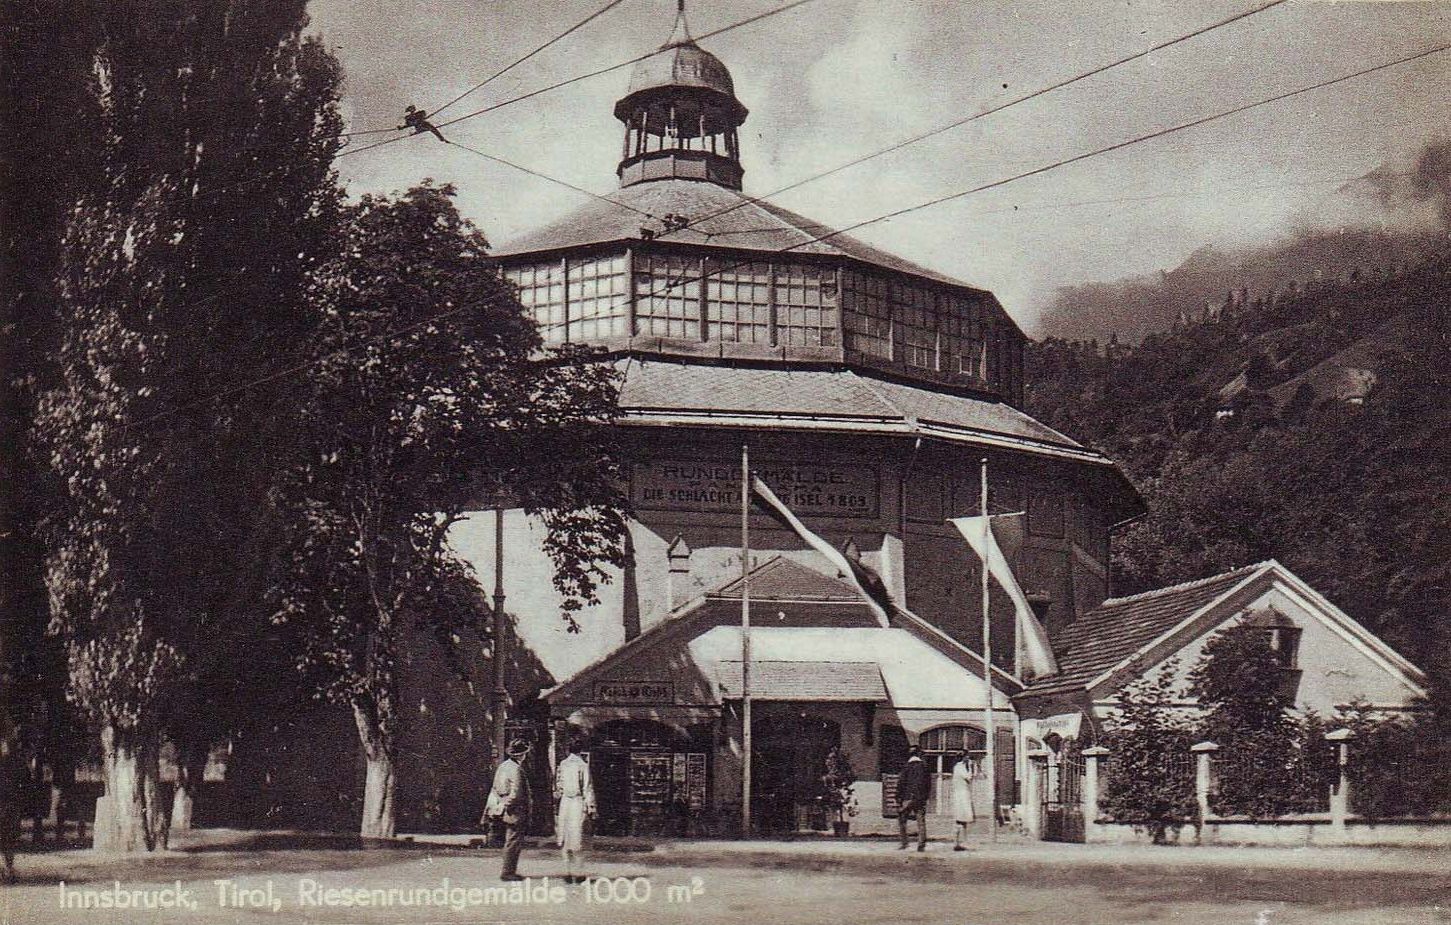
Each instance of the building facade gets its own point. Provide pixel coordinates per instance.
(869, 391)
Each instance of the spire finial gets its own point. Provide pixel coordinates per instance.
(680, 35)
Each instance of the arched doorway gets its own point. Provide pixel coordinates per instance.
(940, 746)
(789, 760)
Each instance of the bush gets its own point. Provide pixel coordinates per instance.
(1151, 774)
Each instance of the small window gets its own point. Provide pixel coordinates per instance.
(1285, 644)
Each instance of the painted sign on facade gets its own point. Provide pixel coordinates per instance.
(809, 489)
(634, 692)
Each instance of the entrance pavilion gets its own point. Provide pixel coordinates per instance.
(661, 715)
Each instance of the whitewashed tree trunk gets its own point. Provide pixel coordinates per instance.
(379, 813)
(130, 816)
(121, 810)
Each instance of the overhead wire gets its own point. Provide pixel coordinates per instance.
(958, 123)
(555, 180)
(499, 73)
(518, 61)
(750, 20)
(1160, 133)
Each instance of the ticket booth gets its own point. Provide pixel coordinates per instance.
(649, 778)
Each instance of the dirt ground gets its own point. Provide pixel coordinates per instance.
(275, 878)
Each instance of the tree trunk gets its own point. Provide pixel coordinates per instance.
(379, 813)
(191, 766)
(121, 812)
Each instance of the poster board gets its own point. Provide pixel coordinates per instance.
(890, 806)
(695, 781)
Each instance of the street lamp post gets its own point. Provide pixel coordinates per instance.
(500, 699)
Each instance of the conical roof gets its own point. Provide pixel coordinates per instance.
(719, 217)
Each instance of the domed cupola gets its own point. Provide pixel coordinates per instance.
(681, 115)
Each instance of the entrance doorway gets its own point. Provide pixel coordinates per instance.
(787, 765)
(649, 778)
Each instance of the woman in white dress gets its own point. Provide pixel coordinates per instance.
(962, 813)
(576, 795)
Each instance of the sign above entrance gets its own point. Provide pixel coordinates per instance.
(808, 489)
(634, 692)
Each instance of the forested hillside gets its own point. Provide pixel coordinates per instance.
(1313, 427)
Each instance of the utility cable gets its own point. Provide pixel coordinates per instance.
(751, 200)
(1160, 133)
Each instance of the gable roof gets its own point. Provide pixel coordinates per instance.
(735, 222)
(1108, 639)
(1109, 635)
(785, 575)
(783, 579)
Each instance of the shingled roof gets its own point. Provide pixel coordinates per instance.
(1107, 635)
(655, 388)
(726, 219)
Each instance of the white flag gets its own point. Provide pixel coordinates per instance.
(868, 585)
(1037, 654)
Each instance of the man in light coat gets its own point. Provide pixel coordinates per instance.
(508, 803)
(575, 794)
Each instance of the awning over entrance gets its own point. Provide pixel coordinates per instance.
(859, 682)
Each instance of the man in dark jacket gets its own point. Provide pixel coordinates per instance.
(912, 799)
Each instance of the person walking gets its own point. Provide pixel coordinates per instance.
(509, 800)
(575, 794)
(912, 799)
(962, 814)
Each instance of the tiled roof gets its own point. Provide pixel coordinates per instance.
(758, 226)
(783, 579)
(1119, 627)
(849, 681)
(661, 385)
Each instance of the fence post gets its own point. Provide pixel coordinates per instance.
(1203, 752)
(1091, 765)
(1033, 797)
(1340, 790)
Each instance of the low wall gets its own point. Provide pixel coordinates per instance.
(1296, 832)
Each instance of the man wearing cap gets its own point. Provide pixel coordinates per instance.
(509, 798)
(912, 799)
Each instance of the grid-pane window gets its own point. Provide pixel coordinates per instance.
(598, 302)
(738, 304)
(916, 325)
(806, 301)
(667, 296)
(868, 320)
(952, 326)
(541, 292)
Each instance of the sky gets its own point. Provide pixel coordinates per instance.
(835, 79)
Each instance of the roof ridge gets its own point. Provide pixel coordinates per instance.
(1184, 585)
(870, 386)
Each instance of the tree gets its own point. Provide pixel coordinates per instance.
(1151, 779)
(1271, 762)
(182, 271)
(430, 393)
(48, 156)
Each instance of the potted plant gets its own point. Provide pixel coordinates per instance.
(836, 786)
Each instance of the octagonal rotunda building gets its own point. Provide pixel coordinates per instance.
(868, 389)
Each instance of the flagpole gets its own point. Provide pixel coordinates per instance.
(745, 641)
(987, 674)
